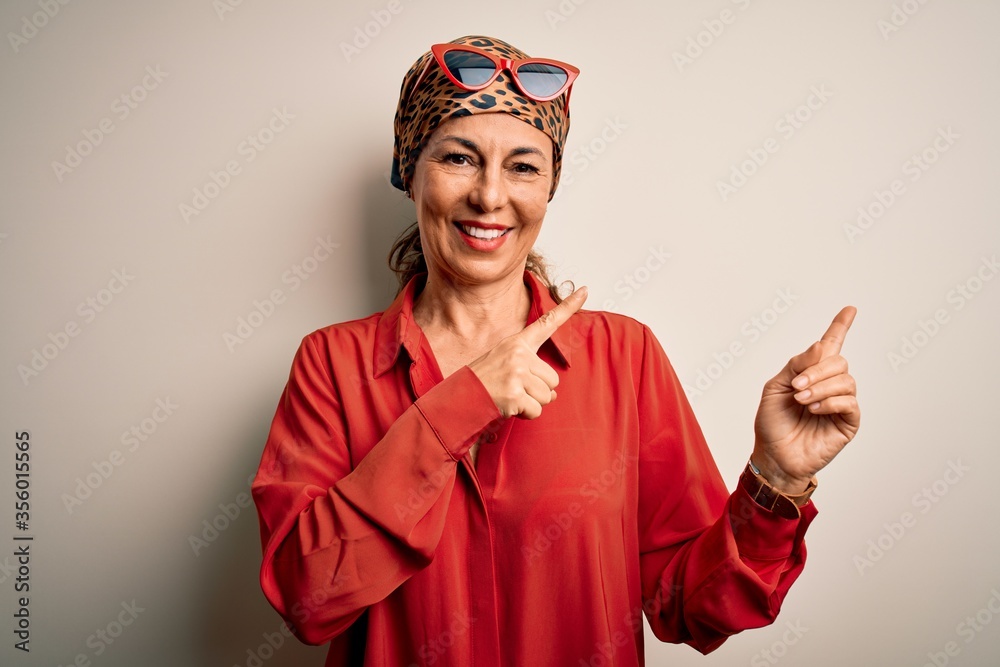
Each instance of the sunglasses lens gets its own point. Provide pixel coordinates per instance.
(542, 80)
(472, 69)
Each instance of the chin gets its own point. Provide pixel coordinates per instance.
(484, 271)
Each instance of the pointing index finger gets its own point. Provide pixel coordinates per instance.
(539, 331)
(837, 331)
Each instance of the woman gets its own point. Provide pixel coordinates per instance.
(485, 474)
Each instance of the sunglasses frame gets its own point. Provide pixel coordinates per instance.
(501, 64)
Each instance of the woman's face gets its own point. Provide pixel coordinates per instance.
(486, 170)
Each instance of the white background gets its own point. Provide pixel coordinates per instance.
(683, 126)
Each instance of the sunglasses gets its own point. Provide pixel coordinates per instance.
(472, 69)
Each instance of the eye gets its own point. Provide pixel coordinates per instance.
(525, 168)
(460, 159)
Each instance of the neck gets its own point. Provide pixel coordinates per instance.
(479, 313)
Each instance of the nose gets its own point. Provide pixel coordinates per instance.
(490, 190)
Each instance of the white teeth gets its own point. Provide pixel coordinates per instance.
(481, 233)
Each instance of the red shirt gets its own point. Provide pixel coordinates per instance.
(382, 538)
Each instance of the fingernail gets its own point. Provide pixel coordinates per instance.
(800, 382)
(814, 406)
(803, 395)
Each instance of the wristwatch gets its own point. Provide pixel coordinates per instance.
(768, 497)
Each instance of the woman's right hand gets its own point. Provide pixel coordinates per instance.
(519, 382)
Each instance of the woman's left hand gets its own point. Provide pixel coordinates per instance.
(808, 412)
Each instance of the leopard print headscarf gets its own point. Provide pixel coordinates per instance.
(421, 111)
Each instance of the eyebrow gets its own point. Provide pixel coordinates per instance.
(471, 145)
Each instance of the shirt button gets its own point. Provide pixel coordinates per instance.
(491, 437)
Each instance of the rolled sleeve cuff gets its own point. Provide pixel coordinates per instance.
(458, 414)
(760, 533)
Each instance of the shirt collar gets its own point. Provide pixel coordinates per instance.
(397, 328)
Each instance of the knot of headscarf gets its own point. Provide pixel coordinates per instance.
(437, 99)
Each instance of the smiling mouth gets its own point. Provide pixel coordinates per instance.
(480, 233)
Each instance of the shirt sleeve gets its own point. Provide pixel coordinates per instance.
(712, 563)
(335, 539)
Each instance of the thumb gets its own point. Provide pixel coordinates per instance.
(800, 362)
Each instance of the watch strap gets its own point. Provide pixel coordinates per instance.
(764, 494)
